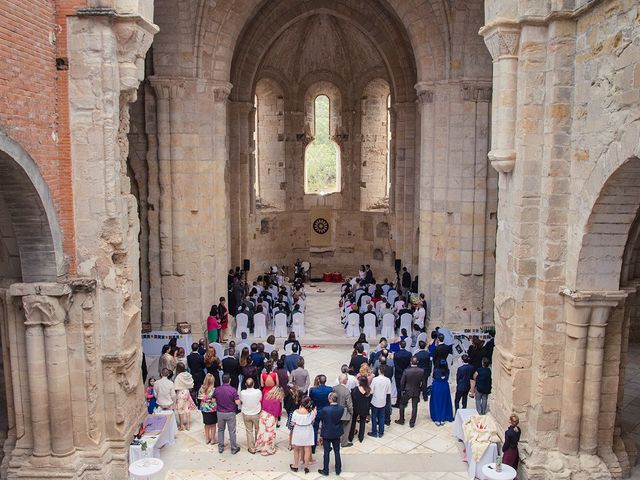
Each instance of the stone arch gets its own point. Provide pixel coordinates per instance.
(32, 214)
(606, 232)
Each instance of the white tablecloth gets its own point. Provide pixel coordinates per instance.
(489, 456)
(156, 442)
(462, 415)
(153, 342)
(507, 473)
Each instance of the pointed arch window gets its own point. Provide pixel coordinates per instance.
(322, 156)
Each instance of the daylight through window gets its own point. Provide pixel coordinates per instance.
(322, 157)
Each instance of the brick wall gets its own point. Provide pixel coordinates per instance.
(34, 95)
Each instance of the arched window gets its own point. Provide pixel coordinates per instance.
(322, 156)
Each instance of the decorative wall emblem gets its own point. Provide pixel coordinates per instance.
(320, 226)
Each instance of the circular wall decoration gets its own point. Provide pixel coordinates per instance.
(321, 226)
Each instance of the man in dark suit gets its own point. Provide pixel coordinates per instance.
(330, 418)
(357, 360)
(410, 388)
(424, 362)
(231, 366)
(195, 362)
(320, 397)
(406, 282)
(401, 361)
(441, 353)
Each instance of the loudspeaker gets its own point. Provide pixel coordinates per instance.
(398, 264)
(246, 265)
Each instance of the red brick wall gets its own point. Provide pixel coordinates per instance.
(34, 107)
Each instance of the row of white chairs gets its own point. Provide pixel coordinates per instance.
(279, 325)
(370, 330)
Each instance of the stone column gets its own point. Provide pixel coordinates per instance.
(502, 39)
(586, 320)
(48, 361)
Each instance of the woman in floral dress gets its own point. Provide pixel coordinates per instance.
(209, 409)
(184, 402)
(271, 410)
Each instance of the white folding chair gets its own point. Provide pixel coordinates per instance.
(405, 322)
(385, 288)
(297, 325)
(366, 347)
(422, 337)
(242, 322)
(353, 324)
(259, 325)
(369, 325)
(365, 300)
(408, 345)
(392, 294)
(371, 289)
(280, 325)
(388, 326)
(218, 348)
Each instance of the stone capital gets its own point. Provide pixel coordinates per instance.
(594, 298)
(170, 88)
(425, 92)
(43, 310)
(502, 37)
(134, 35)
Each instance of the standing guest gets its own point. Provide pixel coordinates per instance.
(164, 390)
(257, 356)
(489, 345)
(481, 386)
(344, 399)
(292, 399)
(330, 418)
(166, 360)
(365, 371)
(249, 371)
(283, 375)
(358, 358)
(441, 354)
(300, 377)
(231, 366)
(401, 361)
(208, 408)
(387, 371)
(195, 362)
(231, 344)
(181, 358)
(291, 360)
(202, 349)
(510, 454)
(271, 411)
(212, 364)
(361, 399)
(406, 281)
(151, 399)
(476, 352)
(143, 368)
(464, 375)
(268, 379)
(292, 340)
(270, 346)
(380, 388)
(213, 325)
(424, 362)
(184, 403)
(251, 406)
(319, 394)
(440, 404)
(410, 389)
(223, 316)
(352, 381)
(227, 400)
(302, 437)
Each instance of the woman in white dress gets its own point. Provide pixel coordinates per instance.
(302, 437)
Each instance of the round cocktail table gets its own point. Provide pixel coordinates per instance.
(145, 467)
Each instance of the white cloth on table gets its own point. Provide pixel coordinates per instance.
(156, 442)
(489, 472)
(153, 342)
(462, 415)
(474, 466)
(145, 467)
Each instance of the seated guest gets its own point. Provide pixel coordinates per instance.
(292, 340)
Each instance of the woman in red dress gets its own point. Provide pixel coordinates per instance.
(269, 379)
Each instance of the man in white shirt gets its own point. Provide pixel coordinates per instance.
(380, 388)
(164, 390)
(250, 399)
(352, 381)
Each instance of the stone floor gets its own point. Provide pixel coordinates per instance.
(403, 452)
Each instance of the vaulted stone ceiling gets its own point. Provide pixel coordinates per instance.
(322, 43)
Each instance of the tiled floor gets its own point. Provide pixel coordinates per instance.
(403, 452)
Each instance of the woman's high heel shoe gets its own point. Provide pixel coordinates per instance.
(295, 469)
(306, 470)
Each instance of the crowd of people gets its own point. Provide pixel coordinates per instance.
(269, 387)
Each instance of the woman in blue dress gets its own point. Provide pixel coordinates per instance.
(440, 406)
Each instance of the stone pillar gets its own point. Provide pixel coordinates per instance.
(586, 320)
(502, 39)
(48, 361)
